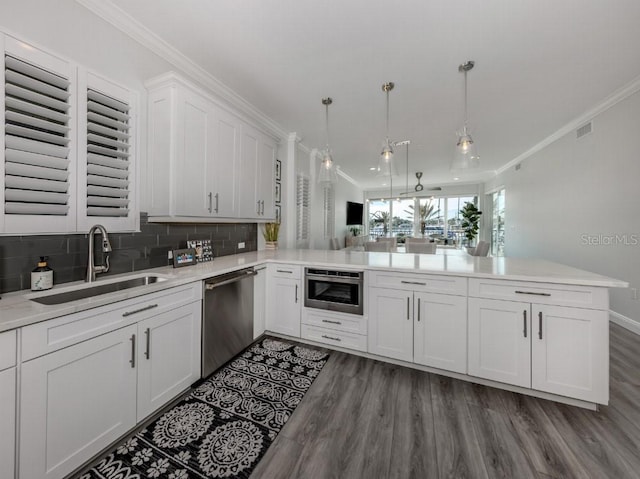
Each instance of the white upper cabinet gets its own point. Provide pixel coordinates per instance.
(67, 141)
(205, 162)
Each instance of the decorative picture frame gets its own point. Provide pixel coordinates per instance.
(278, 213)
(184, 257)
(278, 170)
(278, 192)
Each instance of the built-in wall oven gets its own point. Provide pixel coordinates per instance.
(334, 290)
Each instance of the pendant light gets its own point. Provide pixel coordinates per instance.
(327, 173)
(466, 155)
(386, 166)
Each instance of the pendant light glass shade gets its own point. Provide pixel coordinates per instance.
(466, 153)
(386, 165)
(327, 174)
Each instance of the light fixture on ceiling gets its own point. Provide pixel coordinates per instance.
(327, 173)
(466, 155)
(386, 166)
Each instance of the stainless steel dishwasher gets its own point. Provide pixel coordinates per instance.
(227, 319)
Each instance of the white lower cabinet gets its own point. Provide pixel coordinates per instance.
(168, 356)
(555, 349)
(424, 328)
(75, 402)
(284, 299)
(7, 422)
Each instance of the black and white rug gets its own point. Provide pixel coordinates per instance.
(224, 427)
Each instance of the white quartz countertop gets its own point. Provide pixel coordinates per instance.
(17, 310)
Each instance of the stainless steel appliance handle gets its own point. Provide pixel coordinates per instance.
(540, 325)
(210, 208)
(533, 292)
(147, 353)
(296, 293)
(524, 320)
(414, 282)
(247, 274)
(217, 200)
(133, 350)
(407, 308)
(136, 311)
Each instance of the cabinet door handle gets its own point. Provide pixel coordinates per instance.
(283, 271)
(524, 320)
(262, 210)
(332, 338)
(136, 311)
(210, 208)
(540, 325)
(296, 293)
(133, 351)
(418, 309)
(258, 207)
(533, 292)
(331, 322)
(217, 198)
(408, 308)
(147, 353)
(414, 282)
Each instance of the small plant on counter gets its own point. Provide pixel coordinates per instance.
(270, 234)
(470, 219)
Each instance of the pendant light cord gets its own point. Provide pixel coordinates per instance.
(387, 117)
(327, 122)
(465, 100)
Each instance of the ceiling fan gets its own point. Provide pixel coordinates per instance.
(419, 187)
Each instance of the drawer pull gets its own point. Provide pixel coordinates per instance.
(534, 293)
(136, 311)
(418, 309)
(407, 308)
(133, 350)
(296, 294)
(331, 338)
(283, 271)
(331, 322)
(524, 320)
(414, 282)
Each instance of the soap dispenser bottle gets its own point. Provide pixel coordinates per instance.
(42, 276)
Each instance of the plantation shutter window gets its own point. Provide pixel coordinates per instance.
(107, 156)
(302, 208)
(37, 140)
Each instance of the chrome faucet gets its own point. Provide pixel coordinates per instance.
(92, 269)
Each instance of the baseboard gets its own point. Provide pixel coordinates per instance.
(625, 322)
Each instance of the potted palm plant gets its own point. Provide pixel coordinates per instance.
(470, 219)
(270, 234)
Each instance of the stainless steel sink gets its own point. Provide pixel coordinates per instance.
(97, 290)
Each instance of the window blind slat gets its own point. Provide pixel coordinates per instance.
(105, 131)
(107, 201)
(30, 196)
(94, 190)
(36, 122)
(29, 171)
(36, 85)
(102, 140)
(35, 72)
(27, 158)
(105, 181)
(108, 101)
(94, 159)
(106, 111)
(114, 212)
(22, 183)
(35, 209)
(37, 98)
(107, 151)
(36, 134)
(27, 107)
(110, 172)
(103, 120)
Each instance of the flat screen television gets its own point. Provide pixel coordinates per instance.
(354, 213)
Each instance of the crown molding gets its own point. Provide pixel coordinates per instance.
(347, 177)
(124, 22)
(617, 96)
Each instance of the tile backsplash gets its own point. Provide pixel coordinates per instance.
(131, 251)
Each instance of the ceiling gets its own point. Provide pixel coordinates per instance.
(539, 65)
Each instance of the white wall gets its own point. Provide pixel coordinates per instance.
(568, 202)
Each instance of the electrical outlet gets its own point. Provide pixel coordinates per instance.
(241, 245)
(170, 254)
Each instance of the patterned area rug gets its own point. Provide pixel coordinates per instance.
(224, 427)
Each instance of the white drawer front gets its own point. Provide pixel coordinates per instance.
(285, 271)
(427, 283)
(334, 338)
(7, 349)
(349, 323)
(540, 293)
(48, 336)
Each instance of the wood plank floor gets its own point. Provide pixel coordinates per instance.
(368, 419)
